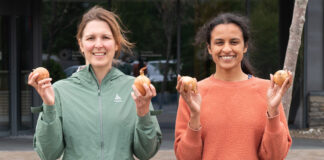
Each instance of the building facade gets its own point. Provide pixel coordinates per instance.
(21, 51)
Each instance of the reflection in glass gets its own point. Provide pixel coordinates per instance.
(4, 89)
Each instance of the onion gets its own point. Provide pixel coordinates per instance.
(140, 80)
(280, 77)
(187, 81)
(43, 73)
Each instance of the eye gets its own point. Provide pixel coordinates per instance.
(234, 42)
(90, 38)
(106, 37)
(219, 42)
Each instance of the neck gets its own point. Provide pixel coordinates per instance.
(230, 75)
(101, 72)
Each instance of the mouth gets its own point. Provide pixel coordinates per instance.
(99, 53)
(227, 57)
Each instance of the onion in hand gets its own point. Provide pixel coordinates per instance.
(187, 81)
(280, 77)
(141, 80)
(42, 73)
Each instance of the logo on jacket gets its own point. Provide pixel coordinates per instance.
(117, 99)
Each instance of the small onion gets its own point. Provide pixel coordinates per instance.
(140, 80)
(43, 73)
(280, 77)
(187, 81)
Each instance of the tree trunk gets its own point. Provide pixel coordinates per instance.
(296, 30)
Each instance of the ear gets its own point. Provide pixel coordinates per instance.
(245, 49)
(116, 47)
(80, 45)
(209, 49)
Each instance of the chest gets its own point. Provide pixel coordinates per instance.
(233, 111)
(91, 110)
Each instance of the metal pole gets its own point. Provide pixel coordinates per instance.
(178, 37)
(37, 50)
(13, 72)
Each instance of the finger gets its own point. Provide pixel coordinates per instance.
(178, 82)
(45, 81)
(285, 86)
(276, 88)
(179, 77)
(290, 77)
(179, 85)
(271, 81)
(195, 89)
(46, 85)
(147, 90)
(190, 89)
(136, 92)
(30, 75)
(133, 96)
(153, 90)
(32, 79)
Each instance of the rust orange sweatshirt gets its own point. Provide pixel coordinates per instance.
(234, 124)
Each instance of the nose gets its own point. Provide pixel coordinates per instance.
(227, 48)
(98, 43)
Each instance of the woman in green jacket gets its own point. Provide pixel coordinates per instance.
(94, 114)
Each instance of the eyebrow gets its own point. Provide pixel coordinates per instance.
(89, 35)
(219, 39)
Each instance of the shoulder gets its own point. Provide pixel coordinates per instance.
(121, 77)
(261, 83)
(205, 84)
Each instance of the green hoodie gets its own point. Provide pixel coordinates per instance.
(91, 121)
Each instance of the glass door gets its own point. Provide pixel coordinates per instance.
(24, 50)
(4, 76)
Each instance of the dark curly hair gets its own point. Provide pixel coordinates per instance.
(203, 36)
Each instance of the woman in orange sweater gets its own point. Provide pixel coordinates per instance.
(234, 115)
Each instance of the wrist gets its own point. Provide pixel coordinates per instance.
(143, 111)
(194, 122)
(273, 112)
(49, 103)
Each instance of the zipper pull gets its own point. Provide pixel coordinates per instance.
(99, 92)
(102, 144)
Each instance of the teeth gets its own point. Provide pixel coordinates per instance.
(99, 54)
(227, 57)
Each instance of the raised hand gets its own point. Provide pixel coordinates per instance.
(43, 87)
(143, 102)
(193, 101)
(275, 93)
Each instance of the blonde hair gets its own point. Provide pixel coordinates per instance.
(98, 13)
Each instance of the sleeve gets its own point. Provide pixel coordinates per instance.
(147, 136)
(188, 143)
(48, 138)
(276, 139)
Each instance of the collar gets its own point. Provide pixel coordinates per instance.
(87, 74)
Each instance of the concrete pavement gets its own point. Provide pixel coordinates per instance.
(20, 148)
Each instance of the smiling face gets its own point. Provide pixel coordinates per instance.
(98, 44)
(227, 47)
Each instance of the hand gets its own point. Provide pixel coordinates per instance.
(43, 87)
(143, 102)
(192, 99)
(275, 94)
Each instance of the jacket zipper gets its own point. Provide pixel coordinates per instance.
(101, 123)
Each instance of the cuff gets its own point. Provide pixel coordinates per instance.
(49, 113)
(145, 120)
(273, 124)
(193, 135)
